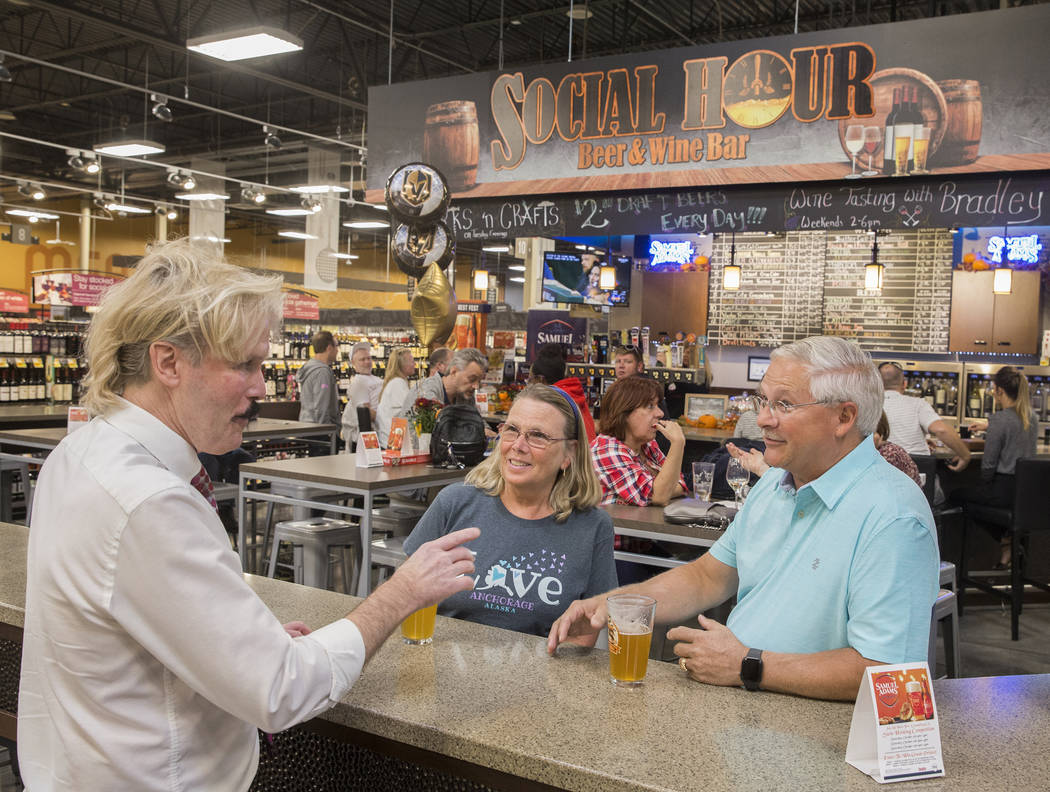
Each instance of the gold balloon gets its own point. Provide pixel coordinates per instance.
(433, 306)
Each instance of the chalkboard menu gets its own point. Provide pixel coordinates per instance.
(807, 283)
(780, 298)
(911, 312)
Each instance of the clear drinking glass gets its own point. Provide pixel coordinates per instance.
(737, 478)
(854, 143)
(419, 627)
(630, 636)
(703, 480)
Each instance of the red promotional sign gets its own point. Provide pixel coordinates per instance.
(301, 306)
(88, 288)
(13, 302)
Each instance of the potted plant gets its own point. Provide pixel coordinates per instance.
(424, 418)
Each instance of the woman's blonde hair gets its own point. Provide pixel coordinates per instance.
(576, 487)
(393, 366)
(1015, 385)
(185, 295)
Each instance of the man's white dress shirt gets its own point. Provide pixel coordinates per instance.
(147, 661)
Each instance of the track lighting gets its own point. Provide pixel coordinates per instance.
(250, 195)
(181, 181)
(5, 73)
(36, 192)
(311, 204)
(24, 191)
(161, 111)
(270, 138)
(83, 161)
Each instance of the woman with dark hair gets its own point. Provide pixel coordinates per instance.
(1011, 436)
(549, 369)
(543, 543)
(630, 466)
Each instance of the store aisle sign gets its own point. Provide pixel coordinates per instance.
(807, 107)
(301, 306)
(13, 302)
(71, 288)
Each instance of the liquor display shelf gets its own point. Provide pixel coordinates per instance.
(659, 373)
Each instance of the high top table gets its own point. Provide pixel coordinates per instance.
(647, 522)
(491, 707)
(337, 474)
(14, 443)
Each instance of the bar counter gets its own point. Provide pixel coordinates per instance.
(490, 707)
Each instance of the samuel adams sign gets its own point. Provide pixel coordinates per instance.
(810, 107)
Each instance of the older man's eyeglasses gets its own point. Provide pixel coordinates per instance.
(781, 407)
(509, 433)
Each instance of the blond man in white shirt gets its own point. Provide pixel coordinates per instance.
(148, 663)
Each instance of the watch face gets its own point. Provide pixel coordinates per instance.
(751, 670)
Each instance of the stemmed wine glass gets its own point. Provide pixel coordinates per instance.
(872, 138)
(854, 143)
(737, 478)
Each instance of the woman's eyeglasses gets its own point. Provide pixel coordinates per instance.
(509, 433)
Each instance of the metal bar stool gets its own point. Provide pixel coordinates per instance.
(299, 513)
(388, 554)
(312, 542)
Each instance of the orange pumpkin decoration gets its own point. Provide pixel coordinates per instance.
(707, 421)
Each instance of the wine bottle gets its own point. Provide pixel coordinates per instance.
(916, 121)
(903, 127)
(887, 135)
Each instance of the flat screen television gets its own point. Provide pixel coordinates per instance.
(575, 278)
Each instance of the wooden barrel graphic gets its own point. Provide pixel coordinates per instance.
(962, 136)
(450, 142)
(934, 110)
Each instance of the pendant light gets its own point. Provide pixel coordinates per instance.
(607, 278)
(731, 271)
(873, 269)
(1002, 280)
(481, 280)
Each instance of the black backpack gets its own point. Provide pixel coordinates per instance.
(459, 436)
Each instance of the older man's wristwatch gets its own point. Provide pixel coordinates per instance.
(751, 669)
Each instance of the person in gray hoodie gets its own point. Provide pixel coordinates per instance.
(318, 394)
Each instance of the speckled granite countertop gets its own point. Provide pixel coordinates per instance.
(495, 698)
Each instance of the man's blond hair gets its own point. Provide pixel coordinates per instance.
(183, 294)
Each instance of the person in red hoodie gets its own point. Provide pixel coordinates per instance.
(549, 369)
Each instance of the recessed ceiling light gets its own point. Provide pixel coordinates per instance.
(130, 148)
(295, 235)
(253, 42)
(202, 196)
(366, 224)
(290, 212)
(320, 189)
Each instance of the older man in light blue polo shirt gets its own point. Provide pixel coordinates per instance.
(833, 559)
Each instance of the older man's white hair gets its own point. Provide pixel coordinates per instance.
(839, 370)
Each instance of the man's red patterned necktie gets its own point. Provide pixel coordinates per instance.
(202, 483)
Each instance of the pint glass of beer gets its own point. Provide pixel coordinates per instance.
(630, 633)
(419, 627)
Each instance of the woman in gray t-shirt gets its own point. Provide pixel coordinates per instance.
(1011, 436)
(543, 542)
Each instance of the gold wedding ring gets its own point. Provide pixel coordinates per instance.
(681, 662)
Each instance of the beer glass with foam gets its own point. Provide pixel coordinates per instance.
(630, 634)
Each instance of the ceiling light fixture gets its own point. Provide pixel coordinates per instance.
(129, 148)
(33, 216)
(496, 248)
(321, 189)
(202, 196)
(607, 278)
(5, 73)
(36, 192)
(115, 206)
(873, 270)
(731, 272)
(24, 190)
(160, 110)
(481, 280)
(579, 12)
(289, 212)
(516, 267)
(312, 205)
(251, 195)
(253, 42)
(366, 224)
(345, 256)
(270, 139)
(295, 235)
(83, 161)
(516, 279)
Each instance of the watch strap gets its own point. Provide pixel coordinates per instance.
(751, 669)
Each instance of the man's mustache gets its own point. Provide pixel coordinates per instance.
(252, 412)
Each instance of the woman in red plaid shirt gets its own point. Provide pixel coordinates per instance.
(630, 466)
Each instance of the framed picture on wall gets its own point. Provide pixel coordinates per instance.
(756, 368)
(697, 404)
